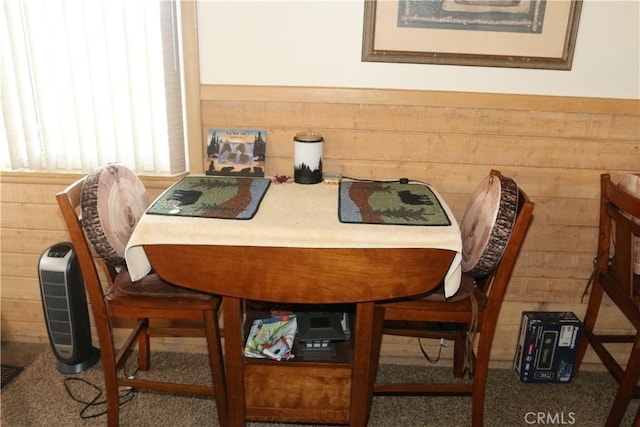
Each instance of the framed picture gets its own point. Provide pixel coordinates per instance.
(235, 152)
(489, 33)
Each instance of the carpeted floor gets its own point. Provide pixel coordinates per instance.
(38, 397)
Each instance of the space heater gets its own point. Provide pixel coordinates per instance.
(65, 309)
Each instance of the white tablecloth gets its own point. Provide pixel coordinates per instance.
(293, 215)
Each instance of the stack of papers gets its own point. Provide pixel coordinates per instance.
(272, 338)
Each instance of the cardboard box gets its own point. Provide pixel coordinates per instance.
(546, 348)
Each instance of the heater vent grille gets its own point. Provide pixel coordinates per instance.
(65, 309)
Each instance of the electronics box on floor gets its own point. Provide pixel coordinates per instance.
(547, 346)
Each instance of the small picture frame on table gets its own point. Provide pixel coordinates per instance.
(235, 152)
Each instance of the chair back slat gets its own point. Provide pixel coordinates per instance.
(619, 233)
(69, 203)
(496, 285)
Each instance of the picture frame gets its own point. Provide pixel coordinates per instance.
(491, 33)
(235, 152)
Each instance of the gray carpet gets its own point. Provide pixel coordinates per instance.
(37, 397)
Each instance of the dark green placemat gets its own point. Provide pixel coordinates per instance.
(392, 203)
(212, 197)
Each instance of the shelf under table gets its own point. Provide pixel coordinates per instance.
(302, 389)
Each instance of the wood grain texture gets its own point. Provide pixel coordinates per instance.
(340, 274)
(277, 402)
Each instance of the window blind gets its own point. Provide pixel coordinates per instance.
(90, 82)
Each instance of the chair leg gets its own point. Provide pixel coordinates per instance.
(109, 370)
(144, 347)
(212, 331)
(110, 373)
(459, 353)
(113, 403)
(480, 372)
(589, 323)
(627, 386)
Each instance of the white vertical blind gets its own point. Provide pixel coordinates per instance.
(83, 84)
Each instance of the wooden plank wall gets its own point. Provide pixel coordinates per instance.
(554, 147)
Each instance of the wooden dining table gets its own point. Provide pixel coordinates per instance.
(295, 250)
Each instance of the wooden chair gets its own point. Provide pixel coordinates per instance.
(614, 274)
(150, 298)
(474, 308)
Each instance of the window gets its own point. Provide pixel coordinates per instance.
(89, 82)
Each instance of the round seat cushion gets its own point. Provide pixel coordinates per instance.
(487, 224)
(112, 201)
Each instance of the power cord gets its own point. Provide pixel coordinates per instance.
(124, 396)
(433, 361)
(400, 180)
